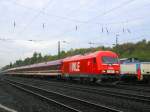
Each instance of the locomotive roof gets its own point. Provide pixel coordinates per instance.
(88, 56)
(58, 62)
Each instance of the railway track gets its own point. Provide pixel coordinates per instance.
(129, 96)
(135, 97)
(126, 87)
(115, 86)
(68, 102)
(112, 85)
(147, 85)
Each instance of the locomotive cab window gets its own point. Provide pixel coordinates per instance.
(109, 60)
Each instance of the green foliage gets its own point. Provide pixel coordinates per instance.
(140, 50)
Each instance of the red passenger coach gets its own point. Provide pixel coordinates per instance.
(98, 65)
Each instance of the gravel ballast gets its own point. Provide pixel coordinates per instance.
(119, 103)
(20, 101)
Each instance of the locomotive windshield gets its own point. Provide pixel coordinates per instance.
(109, 60)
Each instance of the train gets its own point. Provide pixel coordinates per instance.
(97, 66)
(134, 69)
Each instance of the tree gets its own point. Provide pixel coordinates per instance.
(140, 50)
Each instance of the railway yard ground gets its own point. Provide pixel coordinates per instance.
(19, 94)
(15, 100)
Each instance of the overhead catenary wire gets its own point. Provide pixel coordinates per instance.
(30, 40)
(113, 9)
(79, 21)
(106, 12)
(82, 21)
(91, 22)
(119, 6)
(35, 17)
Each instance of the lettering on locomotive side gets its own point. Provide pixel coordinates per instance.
(75, 66)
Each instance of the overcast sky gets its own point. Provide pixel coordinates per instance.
(76, 21)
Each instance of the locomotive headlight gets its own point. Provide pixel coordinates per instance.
(104, 71)
(117, 71)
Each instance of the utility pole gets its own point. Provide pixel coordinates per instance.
(117, 42)
(117, 39)
(58, 49)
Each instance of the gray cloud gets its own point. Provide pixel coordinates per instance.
(61, 17)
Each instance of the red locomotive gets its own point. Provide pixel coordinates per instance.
(93, 66)
(98, 65)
